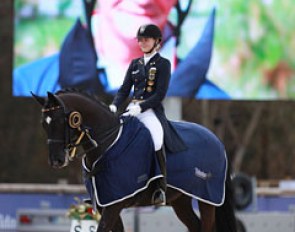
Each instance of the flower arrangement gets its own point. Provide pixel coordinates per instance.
(82, 211)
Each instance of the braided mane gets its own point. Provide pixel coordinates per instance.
(83, 93)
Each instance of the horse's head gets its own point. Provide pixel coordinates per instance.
(62, 120)
(59, 124)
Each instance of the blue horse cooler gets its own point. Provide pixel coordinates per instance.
(130, 165)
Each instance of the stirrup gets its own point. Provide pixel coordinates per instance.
(159, 197)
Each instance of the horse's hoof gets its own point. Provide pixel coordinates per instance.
(159, 197)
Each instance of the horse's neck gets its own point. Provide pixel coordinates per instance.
(104, 128)
(104, 140)
(94, 114)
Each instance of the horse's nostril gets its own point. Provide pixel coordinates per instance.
(54, 164)
(57, 163)
(60, 162)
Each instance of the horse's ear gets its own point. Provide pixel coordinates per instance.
(52, 98)
(40, 100)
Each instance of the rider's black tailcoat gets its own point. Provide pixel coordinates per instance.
(150, 84)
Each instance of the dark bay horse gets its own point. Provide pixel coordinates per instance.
(75, 122)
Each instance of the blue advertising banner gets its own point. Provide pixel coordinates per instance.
(11, 203)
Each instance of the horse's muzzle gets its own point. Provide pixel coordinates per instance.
(59, 160)
(57, 164)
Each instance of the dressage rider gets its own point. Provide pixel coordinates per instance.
(149, 75)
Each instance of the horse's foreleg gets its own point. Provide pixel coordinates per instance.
(110, 219)
(183, 208)
(207, 213)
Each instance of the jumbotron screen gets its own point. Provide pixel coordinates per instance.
(218, 49)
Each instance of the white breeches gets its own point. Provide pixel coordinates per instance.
(150, 120)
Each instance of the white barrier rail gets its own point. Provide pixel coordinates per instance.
(42, 188)
(72, 188)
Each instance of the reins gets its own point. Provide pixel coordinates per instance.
(72, 147)
(105, 137)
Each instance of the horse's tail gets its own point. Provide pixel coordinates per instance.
(225, 215)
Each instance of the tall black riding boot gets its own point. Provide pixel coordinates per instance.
(159, 197)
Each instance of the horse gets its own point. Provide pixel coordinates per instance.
(79, 126)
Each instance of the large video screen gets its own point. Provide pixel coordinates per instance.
(218, 50)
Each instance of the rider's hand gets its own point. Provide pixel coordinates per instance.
(133, 110)
(113, 108)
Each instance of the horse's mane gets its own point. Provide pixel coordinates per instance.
(83, 93)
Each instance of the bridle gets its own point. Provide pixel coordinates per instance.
(73, 121)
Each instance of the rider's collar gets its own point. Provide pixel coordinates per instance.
(147, 57)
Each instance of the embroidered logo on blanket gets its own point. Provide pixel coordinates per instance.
(202, 175)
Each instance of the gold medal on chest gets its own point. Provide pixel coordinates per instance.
(149, 89)
(150, 82)
(152, 71)
(151, 79)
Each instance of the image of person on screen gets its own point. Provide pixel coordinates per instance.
(96, 56)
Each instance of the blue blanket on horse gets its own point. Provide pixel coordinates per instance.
(130, 165)
(200, 171)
